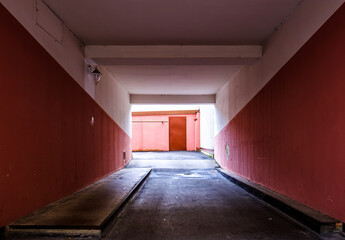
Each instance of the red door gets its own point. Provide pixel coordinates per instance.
(177, 134)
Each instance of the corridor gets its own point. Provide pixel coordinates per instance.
(272, 71)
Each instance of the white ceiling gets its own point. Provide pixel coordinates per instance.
(172, 22)
(169, 79)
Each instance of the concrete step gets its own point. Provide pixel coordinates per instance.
(208, 152)
(86, 211)
(315, 220)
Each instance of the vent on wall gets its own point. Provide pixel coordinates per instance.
(48, 21)
(124, 156)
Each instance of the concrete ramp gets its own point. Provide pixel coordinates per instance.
(86, 211)
(172, 160)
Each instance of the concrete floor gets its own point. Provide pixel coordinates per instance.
(173, 155)
(197, 204)
(200, 204)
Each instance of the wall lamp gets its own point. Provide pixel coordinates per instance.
(95, 72)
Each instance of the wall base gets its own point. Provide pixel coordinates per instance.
(313, 219)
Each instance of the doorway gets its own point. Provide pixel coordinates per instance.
(177, 134)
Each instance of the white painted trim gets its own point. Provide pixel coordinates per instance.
(171, 99)
(94, 51)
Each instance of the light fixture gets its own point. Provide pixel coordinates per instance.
(95, 72)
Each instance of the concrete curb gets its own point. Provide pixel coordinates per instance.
(126, 199)
(311, 218)
(74, 231)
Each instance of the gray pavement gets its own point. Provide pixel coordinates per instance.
(174, 159)
(200, 204)
(172, 155)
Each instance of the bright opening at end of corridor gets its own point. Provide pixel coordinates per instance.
(172, 128)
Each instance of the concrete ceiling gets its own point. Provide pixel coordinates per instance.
(191, 79)
(172, 22)
(173, 70)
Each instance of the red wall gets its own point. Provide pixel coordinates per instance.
(154, 136)
(150, 136)
(48, 148)
(291, 136)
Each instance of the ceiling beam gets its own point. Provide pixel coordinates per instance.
(169, 55)
(171, 99)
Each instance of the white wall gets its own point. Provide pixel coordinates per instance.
(278, 49)
(162, 107)
(68, 51)
(207, 126)
(114, 99)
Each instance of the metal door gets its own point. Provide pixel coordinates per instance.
(177, 133)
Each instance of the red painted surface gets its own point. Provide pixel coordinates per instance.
(177, 133)
(151, 132)
(48, 147)
(290, 137)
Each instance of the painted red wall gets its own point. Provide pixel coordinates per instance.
(150, 136)
(154, 136)
(290, 137)
(48, 147)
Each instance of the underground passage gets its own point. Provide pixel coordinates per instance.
(155, 119)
